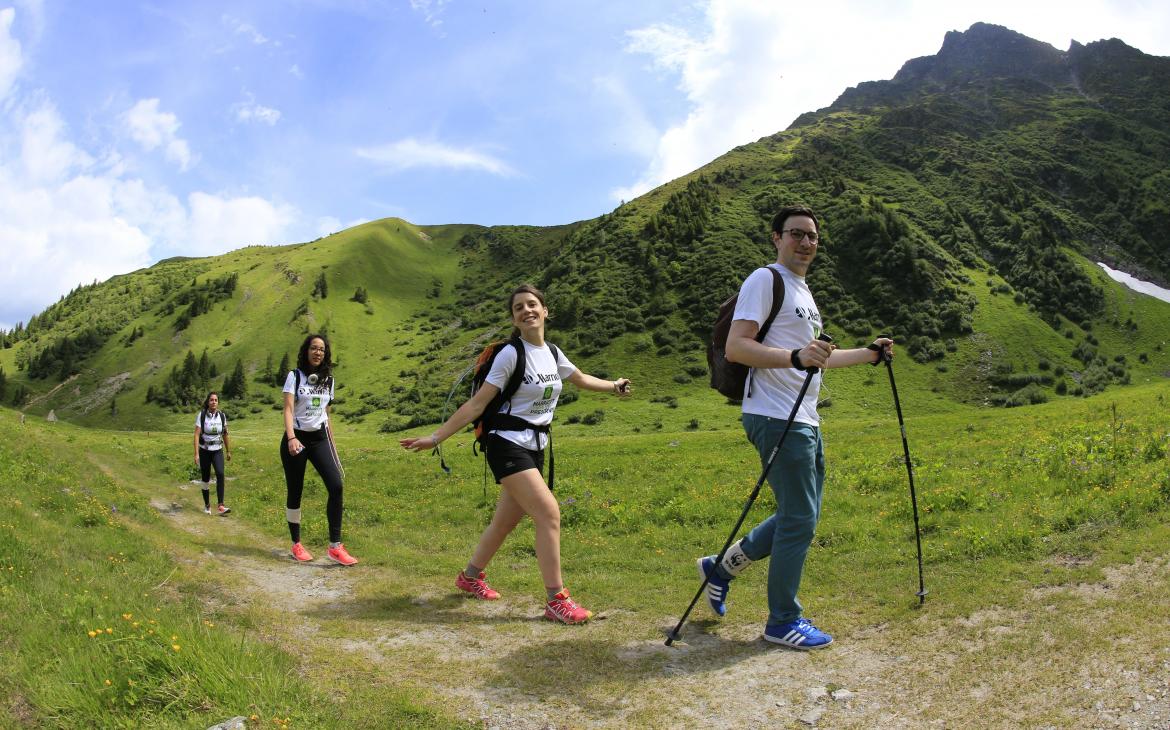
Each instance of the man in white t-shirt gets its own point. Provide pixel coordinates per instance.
(780, 365)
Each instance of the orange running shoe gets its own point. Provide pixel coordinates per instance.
(564, 609)
(477, 586)
(340, 555)
(224, 510)
(300, 553)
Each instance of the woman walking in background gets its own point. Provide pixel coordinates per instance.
(515, 437)
(211, 446)
(308, 391)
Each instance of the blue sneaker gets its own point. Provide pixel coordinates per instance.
(717, 587)
(798, 634)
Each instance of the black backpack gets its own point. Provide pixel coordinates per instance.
(729, 378)
(203, 423)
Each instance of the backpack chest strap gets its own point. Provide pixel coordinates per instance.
(508, 422)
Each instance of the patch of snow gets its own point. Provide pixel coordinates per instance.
(1136, 284)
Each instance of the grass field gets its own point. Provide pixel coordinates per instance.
(135, 609)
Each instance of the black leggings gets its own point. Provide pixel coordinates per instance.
(318, 450)
(207, 459)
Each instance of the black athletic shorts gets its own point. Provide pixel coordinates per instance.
(507, 458)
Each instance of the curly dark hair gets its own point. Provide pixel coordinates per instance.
(324, 371)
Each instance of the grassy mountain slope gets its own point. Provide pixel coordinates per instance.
(962, 204)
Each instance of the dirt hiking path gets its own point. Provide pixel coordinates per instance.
(1073, 657)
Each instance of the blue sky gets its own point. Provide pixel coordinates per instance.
(134, 131)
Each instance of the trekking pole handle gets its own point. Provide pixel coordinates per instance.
(883, 352)
(823, 337)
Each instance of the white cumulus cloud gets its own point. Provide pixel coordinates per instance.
(152, 129)
(68, 217)
(412, 153)
(219, 224)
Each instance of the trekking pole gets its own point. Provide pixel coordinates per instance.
(885, 356)
(673, 635)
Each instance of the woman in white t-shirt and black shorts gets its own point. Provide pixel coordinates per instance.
(308, 438)
(516, 455)
(211, 446)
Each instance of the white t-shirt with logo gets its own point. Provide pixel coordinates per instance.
(536, 398)
(213, 428)
(774, 390)
(309, 404)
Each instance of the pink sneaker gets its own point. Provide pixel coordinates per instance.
(477, 587)
(224, 510)
(340, 555)
(564, 609)
(300, 553)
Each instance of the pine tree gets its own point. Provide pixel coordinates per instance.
(235, 386)
(282, 371)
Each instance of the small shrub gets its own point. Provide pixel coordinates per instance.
(594, 418)
(1028, 395)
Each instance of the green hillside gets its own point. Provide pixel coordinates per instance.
(963, 205)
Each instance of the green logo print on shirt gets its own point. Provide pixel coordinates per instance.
(316, 401)
(547, 393)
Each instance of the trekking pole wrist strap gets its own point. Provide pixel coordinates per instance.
(795, 357)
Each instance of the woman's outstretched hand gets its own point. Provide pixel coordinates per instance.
(419, 444)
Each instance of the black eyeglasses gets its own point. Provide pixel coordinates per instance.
(799, 235)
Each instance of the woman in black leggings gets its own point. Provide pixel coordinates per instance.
(308, 391)
(211, 446)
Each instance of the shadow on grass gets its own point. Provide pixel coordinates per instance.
(597, 674)
(450, 609)
(583, 665)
